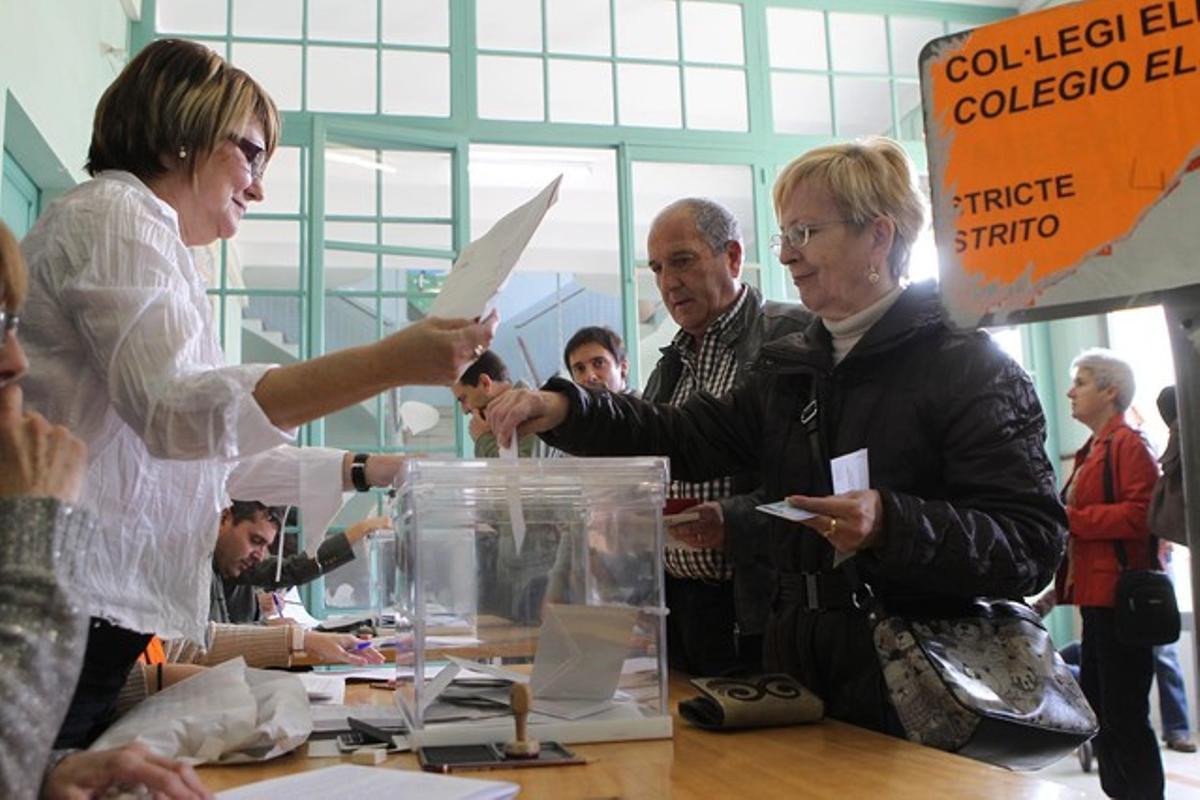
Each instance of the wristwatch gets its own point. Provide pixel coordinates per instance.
(358, 472)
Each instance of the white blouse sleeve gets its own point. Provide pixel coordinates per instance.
(145, 322)
(309, 478)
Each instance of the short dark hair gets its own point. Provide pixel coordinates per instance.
(488, 364)
(1167, 407)
(595, 334)
(249, 511)
(175, 95)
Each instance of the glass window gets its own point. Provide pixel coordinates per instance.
(281, 183)
(716, 98)
(569, 275)
(581, 91)
(416, 183)
(646, 29)
(508, 24)
(864, 106)
(282, 19)
(911, 124)
(712, 33)
(427, 97)
(276, 67)
(656, 185)
(908, 37)
(342, 20)
(648, 95)
(266, 253)
(578, 26)
(510, 88)
(189, 16)
(796, 38)
(800, 103)
(350, 179)
(416, 22)
(859, 42)
(341, 79)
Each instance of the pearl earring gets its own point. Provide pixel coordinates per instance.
(873, 275)
(182, 153)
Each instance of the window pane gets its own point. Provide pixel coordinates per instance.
(276, 67)
(404, 93)
(281, 183)
(649, 95)
(859, 42)
(716, 98)
(569, 274)
(908, 37)
(646, 29)
(416, 22)
(351, 321)
(800, 103)
(509, 24)
(342, 20)
(267, 253)
(416, 183)
(270, 328)
(348, 269)
(712, 32)
(578, 26)
(341, 79)
(509, 88)
(908, 100)
(796, 39)
(864, 106)
(412, 234)
(350, 178)
(656, 185)
(189, 16)
(581, 91)
(281, 19)
(416, 276)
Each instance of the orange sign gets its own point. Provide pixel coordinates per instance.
(1064, 149)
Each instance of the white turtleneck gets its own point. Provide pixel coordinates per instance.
(846, 332)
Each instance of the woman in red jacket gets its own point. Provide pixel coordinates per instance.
(1104, 515)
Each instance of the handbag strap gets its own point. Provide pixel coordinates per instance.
(1110, 497)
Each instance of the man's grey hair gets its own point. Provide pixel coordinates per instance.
(715, 223)
(1108, 369)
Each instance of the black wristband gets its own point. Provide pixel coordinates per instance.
(358, 472)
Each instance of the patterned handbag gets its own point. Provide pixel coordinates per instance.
(981, 679)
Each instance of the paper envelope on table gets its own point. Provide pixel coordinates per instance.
(482, 268)
(226, 715)
(580, 651)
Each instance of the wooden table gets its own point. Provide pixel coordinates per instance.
(828, 759)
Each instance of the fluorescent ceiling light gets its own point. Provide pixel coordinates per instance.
(359, 161)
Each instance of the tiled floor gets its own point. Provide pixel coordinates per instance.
(1182, 772)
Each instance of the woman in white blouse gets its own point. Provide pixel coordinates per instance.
(126, 355)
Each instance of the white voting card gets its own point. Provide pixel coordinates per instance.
(482, 269)
(347, 780)
(580, 652)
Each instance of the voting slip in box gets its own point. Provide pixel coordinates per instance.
(546, 571)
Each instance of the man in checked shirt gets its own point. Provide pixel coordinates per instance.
(717, 606)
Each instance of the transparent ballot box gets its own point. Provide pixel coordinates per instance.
(545, 571)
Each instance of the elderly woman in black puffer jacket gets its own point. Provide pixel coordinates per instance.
(963, 500)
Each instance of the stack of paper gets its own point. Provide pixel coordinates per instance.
(351, 781)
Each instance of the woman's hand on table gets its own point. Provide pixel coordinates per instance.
(340, 648)
(89, 774)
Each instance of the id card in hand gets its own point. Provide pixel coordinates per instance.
(782, 508)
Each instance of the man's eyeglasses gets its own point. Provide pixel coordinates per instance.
(9, 322)
(256, 156)
(797, 236)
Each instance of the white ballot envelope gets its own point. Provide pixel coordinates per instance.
(580, 651)
(482, 269)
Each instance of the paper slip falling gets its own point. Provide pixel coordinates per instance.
(482, 268)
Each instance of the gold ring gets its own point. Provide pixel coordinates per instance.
(478, 351)
(832, 527)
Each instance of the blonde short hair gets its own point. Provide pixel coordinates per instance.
(12, 271)
(174, 97)
(868, 178)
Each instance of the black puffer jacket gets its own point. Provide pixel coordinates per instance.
(955, 437)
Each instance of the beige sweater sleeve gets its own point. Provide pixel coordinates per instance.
(260, 645)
